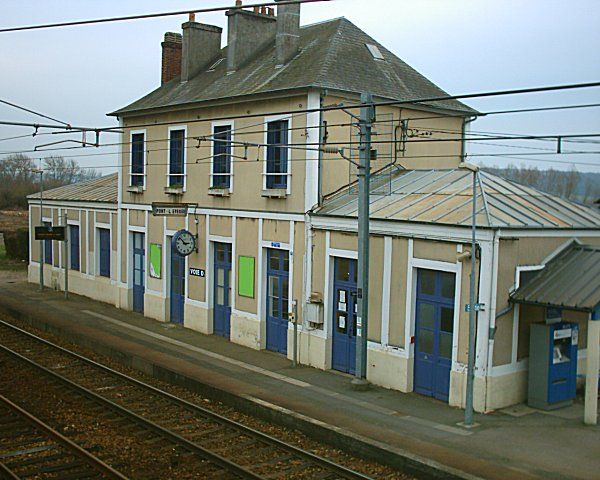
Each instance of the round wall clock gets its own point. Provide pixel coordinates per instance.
(184, 243)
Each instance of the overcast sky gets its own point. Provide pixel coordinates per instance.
(78, 74)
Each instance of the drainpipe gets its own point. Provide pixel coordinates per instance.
(321, 144)
(463, 143)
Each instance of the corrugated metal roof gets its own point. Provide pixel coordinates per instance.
(103, 189)
(570, 280)
(445, 197)
(333, 55)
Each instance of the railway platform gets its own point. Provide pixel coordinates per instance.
(407, 431)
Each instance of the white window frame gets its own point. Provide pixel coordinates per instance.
(131, 174)
(222, 123)
(268, 120)
(184, 175)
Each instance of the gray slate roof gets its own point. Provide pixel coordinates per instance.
(332, 56)
(445, 197)
(570, 280)
(102, 190)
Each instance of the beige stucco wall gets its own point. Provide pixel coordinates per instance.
(220, 226)
(247, 246)
(399, 293)
(521, 252)
(337, 172)
(247, 174)
(276, 231)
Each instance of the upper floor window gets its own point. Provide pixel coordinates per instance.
(277, 154)
(221, 165)
(177, 158)
(138, 160)
(47, 246)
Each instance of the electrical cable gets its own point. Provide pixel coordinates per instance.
(154, 15)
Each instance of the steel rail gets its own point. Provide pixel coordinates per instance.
(178, 439)
(336, 468)
(90, 459)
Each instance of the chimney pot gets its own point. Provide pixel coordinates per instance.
(171, 57)
(238, 3)
(288, 32)
(263, 10)
(192, 17)
(201, 45)
(271, 12)
(256, 9)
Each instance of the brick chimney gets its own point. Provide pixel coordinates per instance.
(288, 32)
(248, 32)
(201, 46)
(171, 57)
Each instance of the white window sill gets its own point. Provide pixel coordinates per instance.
(274, 193)
(135, 189)
(174, 190)
(219, 191)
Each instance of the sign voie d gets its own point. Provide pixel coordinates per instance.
(197, 272)
(169, 209)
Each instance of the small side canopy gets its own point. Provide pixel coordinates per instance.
(571, 281)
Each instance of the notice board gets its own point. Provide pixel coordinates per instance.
(246, 276)
(155, 260)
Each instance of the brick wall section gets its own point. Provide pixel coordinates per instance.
(171, 57)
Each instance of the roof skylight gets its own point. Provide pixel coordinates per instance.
(374, 49)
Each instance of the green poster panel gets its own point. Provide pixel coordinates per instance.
(246, 276)
(155, 260)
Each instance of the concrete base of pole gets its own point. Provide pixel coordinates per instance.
(472, 425)
(360, 384)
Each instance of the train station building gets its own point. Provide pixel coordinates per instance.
(271, 204)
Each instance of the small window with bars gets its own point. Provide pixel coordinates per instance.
(221, 165)
(138, 160)
(277, 169)
(176, 158)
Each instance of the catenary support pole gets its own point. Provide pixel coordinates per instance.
(593, 370)
(472, 313)
(41, 172)
(66, 254)
(367, 116)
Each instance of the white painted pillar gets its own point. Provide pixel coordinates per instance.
(593, 369)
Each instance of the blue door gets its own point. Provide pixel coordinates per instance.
(47, 248)
(222, 290)
(278, 274)
(104, 253)
(139, 272)
(74, 247)
(177, 287)
(434, 330)
(344, 315)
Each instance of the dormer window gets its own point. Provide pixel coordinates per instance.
(176, 174)
(277, 168)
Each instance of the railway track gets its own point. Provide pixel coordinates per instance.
(231, 446)
(30, 449)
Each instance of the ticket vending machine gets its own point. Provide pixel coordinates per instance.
(552, 365)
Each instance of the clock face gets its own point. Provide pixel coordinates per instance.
(184, 243)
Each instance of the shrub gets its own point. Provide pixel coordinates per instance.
(17, 244)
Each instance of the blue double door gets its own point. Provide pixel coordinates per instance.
(434, 332)
(278, 278)
(344, 315)
(139, 271)
(177, 281)
(222, 289)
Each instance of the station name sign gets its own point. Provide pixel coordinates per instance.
(169, 209)
(48, 232)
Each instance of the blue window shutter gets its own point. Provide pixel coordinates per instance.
(137, 159)
(74, 246)
(277, 153)
(47, 248)
(104, 253)
(221, 156)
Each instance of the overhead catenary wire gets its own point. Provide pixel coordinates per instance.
(25, 109)
(152, 15)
